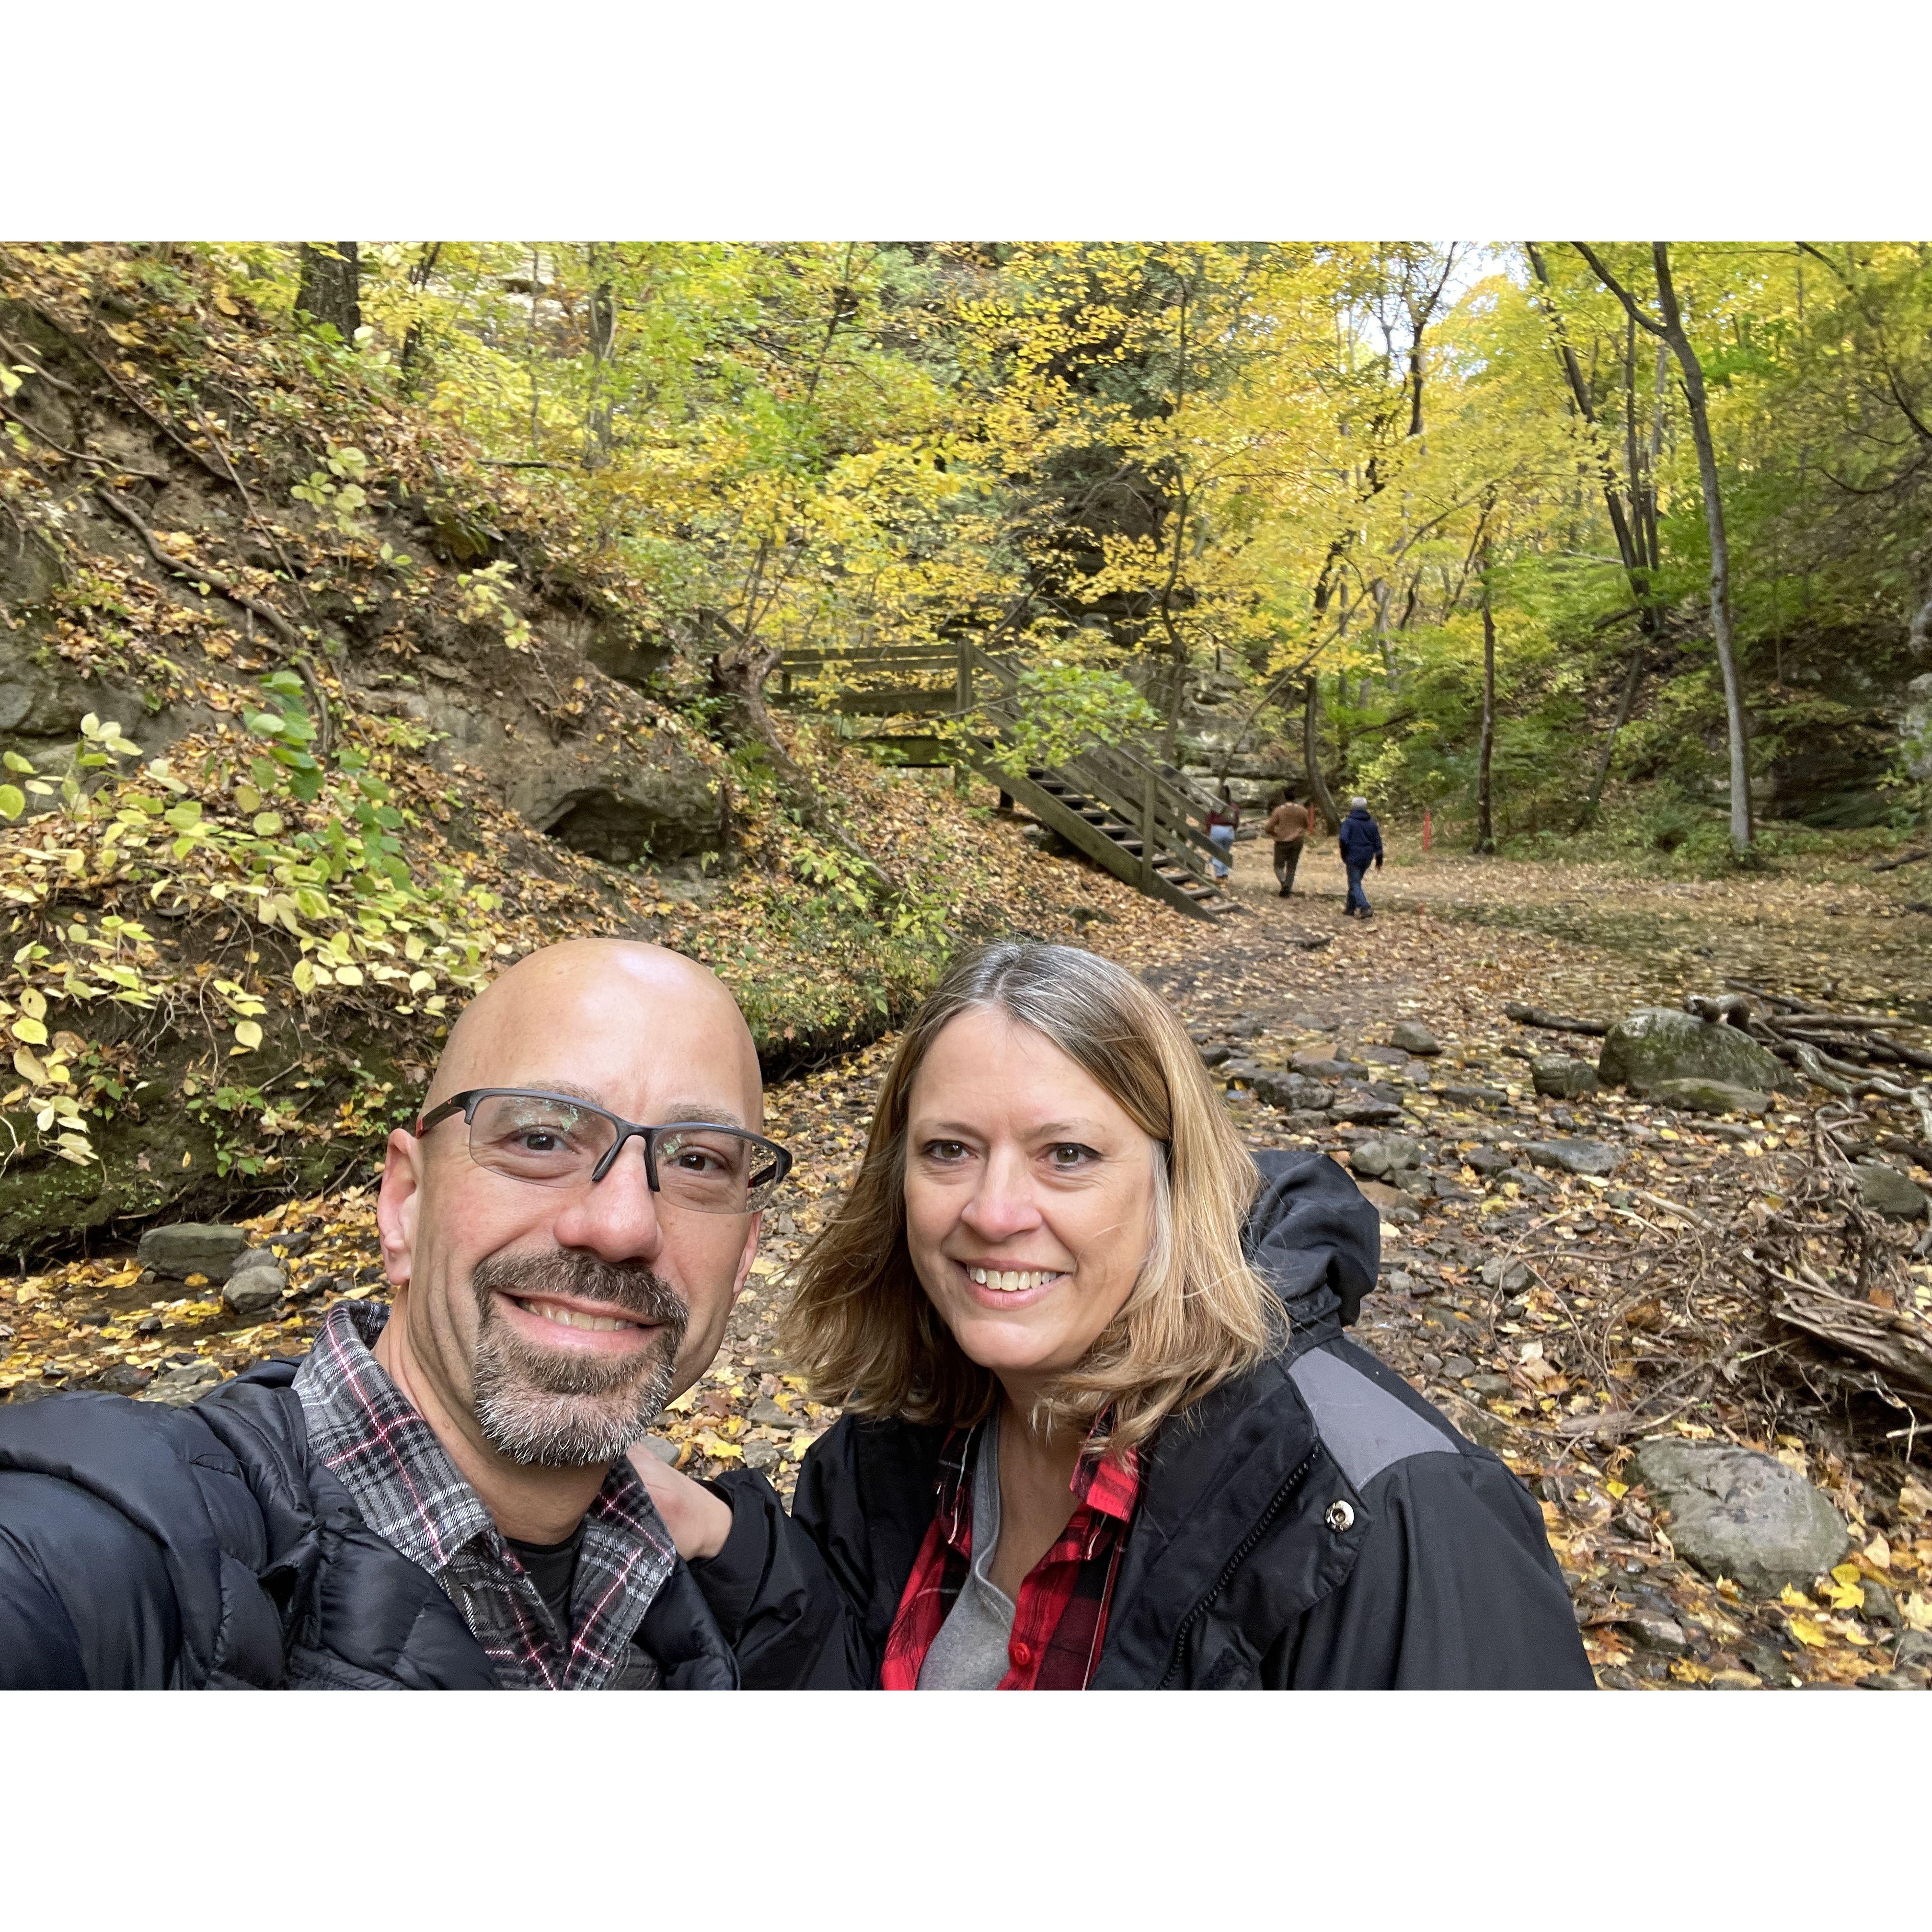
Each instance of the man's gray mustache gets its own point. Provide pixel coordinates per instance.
(630, 1290)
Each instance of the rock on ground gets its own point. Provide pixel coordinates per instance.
(1386, 1155)
(1655, 1044)
(179, 1386)
(250, 1290)
(1593, 1157)
(1734, 1513)
(1412, 1036)
(192, 1247)
(1710, 1097)
(1561, 1076)
(1886, 1191)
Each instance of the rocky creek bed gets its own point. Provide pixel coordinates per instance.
(1735, 1502)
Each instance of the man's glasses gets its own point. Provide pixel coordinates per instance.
(551, 1141)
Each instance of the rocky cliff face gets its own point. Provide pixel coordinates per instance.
(312, 721)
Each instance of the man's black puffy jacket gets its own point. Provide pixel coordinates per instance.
(1316, 1524)
(148, 1548)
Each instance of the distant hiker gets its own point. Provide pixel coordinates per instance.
(1223, 823)
(437, 1495)
(1361, 842)
(1288, 826)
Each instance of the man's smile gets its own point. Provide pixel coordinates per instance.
(575, 1324)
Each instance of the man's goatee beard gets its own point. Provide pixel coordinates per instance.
(566, 1408)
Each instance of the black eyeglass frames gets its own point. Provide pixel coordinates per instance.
(551, 1140)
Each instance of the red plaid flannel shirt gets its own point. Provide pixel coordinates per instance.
(1060, 1618)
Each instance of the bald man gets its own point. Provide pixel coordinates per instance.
(437, 1495)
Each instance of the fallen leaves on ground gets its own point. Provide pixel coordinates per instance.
(1557, 1317)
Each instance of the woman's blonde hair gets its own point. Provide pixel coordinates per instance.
(865, 1331)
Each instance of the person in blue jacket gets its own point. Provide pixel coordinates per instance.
(1361, 843)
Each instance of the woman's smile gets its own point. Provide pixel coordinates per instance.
(1008, 1286)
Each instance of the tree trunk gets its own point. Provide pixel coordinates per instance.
(1311, 752)
(1631, 679)
(331, 286)
(420, 271)
(603, 334)
(1629, 547)
(1671, 331)
(1735, 723)
(1485, 833)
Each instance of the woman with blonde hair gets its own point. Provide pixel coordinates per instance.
(1100, 1427)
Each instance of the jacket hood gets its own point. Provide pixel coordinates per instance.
(1315, 1239)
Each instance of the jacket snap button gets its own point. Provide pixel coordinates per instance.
(1023, 1654)
(1341, 1516)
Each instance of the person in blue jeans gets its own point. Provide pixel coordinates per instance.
(1361, 844)
(1223, 822)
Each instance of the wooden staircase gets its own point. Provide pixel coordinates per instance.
(1140, 820)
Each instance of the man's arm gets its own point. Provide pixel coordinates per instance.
(86, 1602)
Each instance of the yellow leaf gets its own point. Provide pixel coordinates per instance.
(28, 1067)
(1795, 1599)
(1846, 1596)
(267, 824)
(31, 1031)
(1807, 1632)
(352, 975)
(1616, 1489)
(249, 1033)
(1845, 1572)
(421, 983)
(1878, 1553)
(303, 976)
(34, 1003)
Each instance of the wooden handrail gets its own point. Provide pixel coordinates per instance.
(1162, 805)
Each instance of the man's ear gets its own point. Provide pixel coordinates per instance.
(749, 1255)
(397, 1203)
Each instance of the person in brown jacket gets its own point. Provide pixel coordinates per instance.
(1288, 826)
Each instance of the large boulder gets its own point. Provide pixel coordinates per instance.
(1736, 1513)
(1660, 1043)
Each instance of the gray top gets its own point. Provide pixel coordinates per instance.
(970, 1652)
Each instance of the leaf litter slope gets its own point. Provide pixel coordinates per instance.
(1558, 1318)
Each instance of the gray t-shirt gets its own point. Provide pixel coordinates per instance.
(970, 1652)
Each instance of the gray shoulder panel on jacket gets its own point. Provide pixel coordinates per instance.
(1363, 1426)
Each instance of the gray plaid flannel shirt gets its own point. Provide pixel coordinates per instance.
(411, 1494)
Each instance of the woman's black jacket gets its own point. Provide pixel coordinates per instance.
(1314, 1525)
